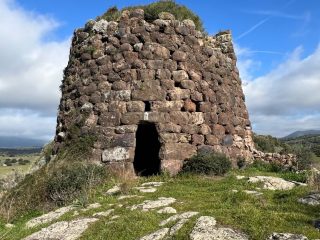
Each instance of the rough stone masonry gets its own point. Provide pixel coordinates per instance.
(129, 72)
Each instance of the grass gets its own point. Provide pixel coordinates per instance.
(6, 170)
(257, 216)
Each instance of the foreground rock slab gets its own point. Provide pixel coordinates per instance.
(46, 218)
(205, 229)
(286, 236)
(312, 199)
(63, 230)
(158, 235)
(273, 183)
(153, 204)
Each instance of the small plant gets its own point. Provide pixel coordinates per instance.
(241, 162)
(209, 164)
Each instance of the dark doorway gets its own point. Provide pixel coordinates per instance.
(146, 159)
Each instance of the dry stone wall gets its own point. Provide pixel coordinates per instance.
(129, 71)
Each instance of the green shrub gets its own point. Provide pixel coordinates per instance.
(210, 164)
(266, 167)
(295, 176)
(304, 157)
(241, 162)
(151, 12)
(51, 186)
(68, 183)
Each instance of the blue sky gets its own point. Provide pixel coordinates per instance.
(277, 43)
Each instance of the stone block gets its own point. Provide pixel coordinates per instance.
(174, 138)
(196, 118)
(197, 139)
(180, 118)
(218, 130)
(122, 95)
(179, 56)
(180, 75)
(188, 84)
(146, 75)
(155, 64)
(173, 167)
(191, 129)
(169, 127)
(204, 129)
(135, 106)
(117, 106)
(117, 154)
(166, 106)
(212, 140)
(123, 140)
(109, 119)
(126, 129)
(177, 151)
(130, 118)
(179, 94)
(189, 106)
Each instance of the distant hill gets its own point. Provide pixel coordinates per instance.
(19, 142)
(302, 133)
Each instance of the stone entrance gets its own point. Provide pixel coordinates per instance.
(146, 160)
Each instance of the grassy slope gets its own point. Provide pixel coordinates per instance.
(274, 211)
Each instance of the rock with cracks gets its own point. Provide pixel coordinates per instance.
(46, 218)
(312, 199)
(153, 204)
(273, 183)
(157, 235)
(63, 230)
(286, 236)
(206, 229)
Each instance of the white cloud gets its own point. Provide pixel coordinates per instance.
(26, 123)
(287, 98)
(31, 70)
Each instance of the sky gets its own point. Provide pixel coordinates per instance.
(277, 43)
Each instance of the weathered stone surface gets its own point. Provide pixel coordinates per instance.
(166, 106)
(286, 236)
(48, 217)
(272, 183)
(312, 199)
(206, 229)
(180, 75)
(157, 235)
(116, 154)
(63, 230)
(189, 106)
(177, 151)
(153, 204)
(167, 210)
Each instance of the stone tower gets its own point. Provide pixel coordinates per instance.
(152, 94)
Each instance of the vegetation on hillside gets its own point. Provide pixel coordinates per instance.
(152, 11)
(306, 147)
